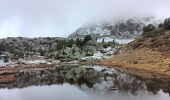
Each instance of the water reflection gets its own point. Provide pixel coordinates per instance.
(70, 92)
(79, 82)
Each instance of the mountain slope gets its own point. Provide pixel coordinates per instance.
(127, 27)
(148, 56)
(151, 48)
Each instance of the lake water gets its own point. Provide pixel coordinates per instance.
(81, 83)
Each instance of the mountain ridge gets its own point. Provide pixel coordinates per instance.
(131, 27)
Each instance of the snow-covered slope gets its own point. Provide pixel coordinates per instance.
(130, 27)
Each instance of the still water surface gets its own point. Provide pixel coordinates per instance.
(80, 83)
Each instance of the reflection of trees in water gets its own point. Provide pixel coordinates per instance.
(127, 83)
(72, 75)
(156, 85)
(84, 78)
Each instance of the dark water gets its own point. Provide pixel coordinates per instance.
(82, 83)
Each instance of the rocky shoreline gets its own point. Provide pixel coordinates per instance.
(152, 73)
(71, 73)
(7, 74)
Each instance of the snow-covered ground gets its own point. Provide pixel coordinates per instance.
(108, 52)
(96, 56)
(5, 64)
(106, 39)
(124, 41)
(36, 61)
(117, 40)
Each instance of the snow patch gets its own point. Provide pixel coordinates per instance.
(96, 56)
(106, 39)
(124, 41)
(5, 64)
(38, 61)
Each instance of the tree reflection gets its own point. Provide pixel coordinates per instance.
(97, 81)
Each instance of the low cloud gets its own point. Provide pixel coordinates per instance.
(41, 18)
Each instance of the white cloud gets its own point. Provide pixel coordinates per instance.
(34, 18)
(10, 27)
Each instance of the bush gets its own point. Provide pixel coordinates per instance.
(6, 60)
(161, 25)
(87, 38)
(107, 44)
(167, 24)
(42, 52)
(137, 45)
(152, 34)
(148, 28)
(78, 42)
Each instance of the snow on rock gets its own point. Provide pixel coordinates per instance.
(124, 41)
(107, 52)
(116, 40)
(37, 61)
(108, 49)
(96, 56)
(106, 39)
(5, 64)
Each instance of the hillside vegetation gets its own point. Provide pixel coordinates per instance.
(148, 55)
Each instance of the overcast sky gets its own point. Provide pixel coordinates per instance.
(42, 18)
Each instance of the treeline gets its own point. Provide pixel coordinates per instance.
(165, 25)
(24, 47)
(21, 47)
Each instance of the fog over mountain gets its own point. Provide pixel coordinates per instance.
(51, 18)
